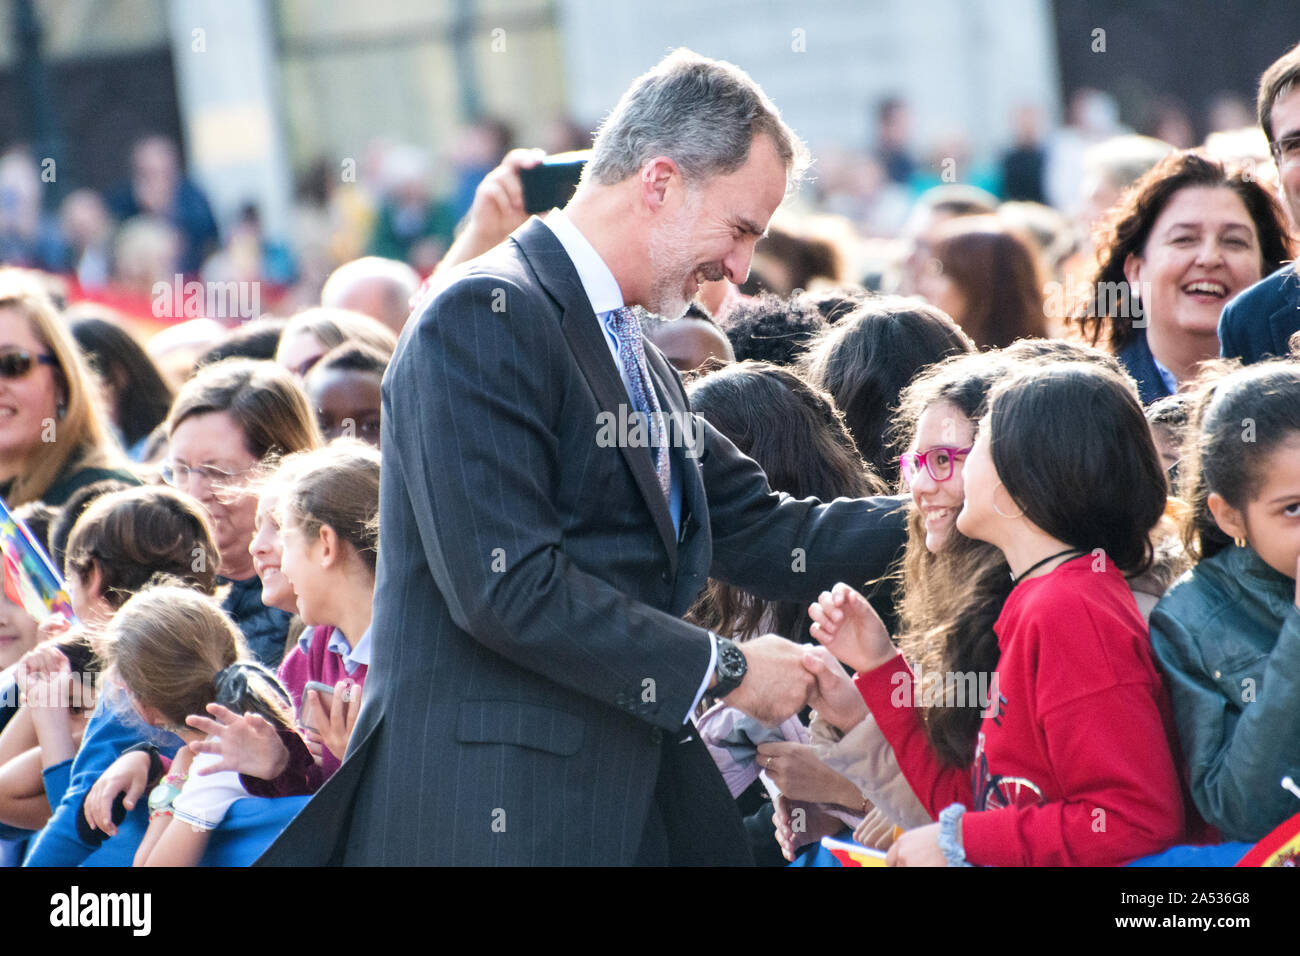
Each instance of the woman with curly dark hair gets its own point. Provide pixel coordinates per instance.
(1186, 238)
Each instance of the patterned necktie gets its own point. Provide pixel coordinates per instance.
(631, 352)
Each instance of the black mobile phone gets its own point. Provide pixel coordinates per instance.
(550, 184)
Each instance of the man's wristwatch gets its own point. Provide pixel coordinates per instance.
(730, 670)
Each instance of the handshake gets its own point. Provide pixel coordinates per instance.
(783, 677)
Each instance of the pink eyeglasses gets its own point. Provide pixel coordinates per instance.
(938, 462)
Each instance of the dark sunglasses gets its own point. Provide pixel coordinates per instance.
(16, 363)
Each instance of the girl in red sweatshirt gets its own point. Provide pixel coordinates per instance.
(1073, 764)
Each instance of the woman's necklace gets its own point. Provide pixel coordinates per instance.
(1038, 564)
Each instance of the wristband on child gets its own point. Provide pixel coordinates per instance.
(156, 766)
(161, 797)
(953, 851)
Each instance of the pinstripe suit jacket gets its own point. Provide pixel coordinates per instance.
(528, 648)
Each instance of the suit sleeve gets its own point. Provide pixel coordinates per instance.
(1229, 327)
(1236, 755)
(787, 549)
(472, 413)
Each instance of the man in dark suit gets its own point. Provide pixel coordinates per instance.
(1261, 320)
(531, 678)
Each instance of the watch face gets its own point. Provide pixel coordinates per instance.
(732, 661)
(162, 795)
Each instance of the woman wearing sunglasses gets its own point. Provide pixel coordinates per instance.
(53, 436)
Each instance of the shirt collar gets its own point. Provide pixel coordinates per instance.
(353, 657)
(1166, 376)
(597, 281)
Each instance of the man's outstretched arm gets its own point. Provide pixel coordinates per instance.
(788, 549)
(471, 406)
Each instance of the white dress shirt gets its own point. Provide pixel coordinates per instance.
(605, 296)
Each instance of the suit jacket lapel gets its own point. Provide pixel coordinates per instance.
(587, 340)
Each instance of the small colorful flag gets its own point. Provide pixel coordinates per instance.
(29, 576)
(1279, 848)
(852, 854)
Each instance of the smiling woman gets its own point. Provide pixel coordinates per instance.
(53, 436)
(1190, 235)
(227, 419)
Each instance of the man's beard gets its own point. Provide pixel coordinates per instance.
(667, 297)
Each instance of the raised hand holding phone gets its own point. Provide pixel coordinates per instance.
(334, 720)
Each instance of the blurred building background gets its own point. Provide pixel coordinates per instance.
(322, 129)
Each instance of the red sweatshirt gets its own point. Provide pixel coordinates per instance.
(1073, 765)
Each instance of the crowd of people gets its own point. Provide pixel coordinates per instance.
(1075, 642)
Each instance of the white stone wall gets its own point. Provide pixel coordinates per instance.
(960, 63)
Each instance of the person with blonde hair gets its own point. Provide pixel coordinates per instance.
(175, 653)
(312, 333)
(54, 438)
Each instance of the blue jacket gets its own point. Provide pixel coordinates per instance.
(247, 830)
(1138, 361)
(265, 629)
(1227, 636)
(1259, 320)
(107, 735)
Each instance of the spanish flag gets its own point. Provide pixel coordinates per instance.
(1279, 848)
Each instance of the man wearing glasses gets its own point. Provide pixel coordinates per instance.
(1261, 320)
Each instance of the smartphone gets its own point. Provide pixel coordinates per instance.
(551, 183)
(307, 718)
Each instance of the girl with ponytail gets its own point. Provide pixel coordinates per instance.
(174, 652)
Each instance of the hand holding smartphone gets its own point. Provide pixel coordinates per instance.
(551, 183)
(308, 718)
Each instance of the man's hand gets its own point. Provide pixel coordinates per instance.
(834, 696)
(776, 684)
(128, 774)
(249, 744)
(497, 210)
(844, 622)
